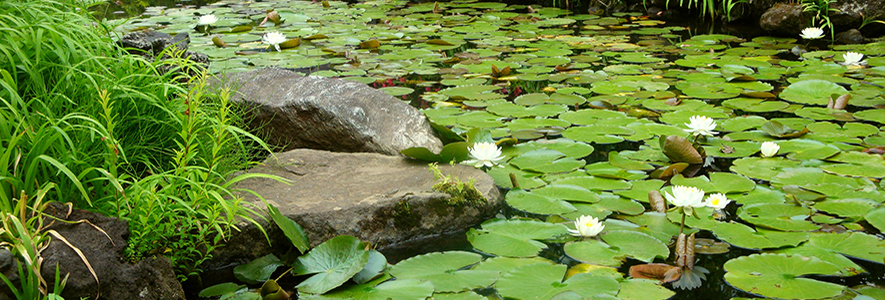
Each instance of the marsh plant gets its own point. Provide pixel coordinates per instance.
(83, 122)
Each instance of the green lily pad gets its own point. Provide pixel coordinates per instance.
(743, 236)
(762, 168)
(567, 192)
(815, 92)
(640, 188)
(718, 182)
(537, 203)
(513, 238)
(595, 183)
(258, 270)
(777, 275)
(643, 289)
(334, 262)
(779, 216)
(445, 271)
(373, 290)
(849, 208)
(546, 161)
(830, 247)
(542, 281)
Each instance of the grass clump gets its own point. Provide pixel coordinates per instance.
(83, 122)
(461, 192)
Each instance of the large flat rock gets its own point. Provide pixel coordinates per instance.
(385, 200)
(381, 199)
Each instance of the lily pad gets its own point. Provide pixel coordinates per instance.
(334, 262)
(778, 276)
(814, 92)
(445, 271)
(830, 247)
(542, 281)
(513, 238)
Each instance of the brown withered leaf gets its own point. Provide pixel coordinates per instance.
(657, 201)
(370, 44)
(656, 271)
(669, 171)
(875, 150)
(679, 149)
(673, 101)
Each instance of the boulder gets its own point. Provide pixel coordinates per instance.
(151, 278)
(292, 111)
(385, 200)
(785, 19)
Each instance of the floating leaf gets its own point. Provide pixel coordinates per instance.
(257, 270)
(514, 238)
(542, 281)
(814, 91)
(777, 276)
(334, 262)
(830, 247)
(444, 270)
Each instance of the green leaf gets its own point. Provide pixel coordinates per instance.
(374, 267)
(292, 230)
(643, 289)
(743, 236)
(333, 262)
(221, 289)
(815, 91)
(513, 238)
(257, 270)
(777, 276)
(537, 203)
(543, 281)
(444, 270)
(779, 216)
(831, 247)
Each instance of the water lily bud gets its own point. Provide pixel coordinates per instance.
(769, 149)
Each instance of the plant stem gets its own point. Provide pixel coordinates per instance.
(682, 225)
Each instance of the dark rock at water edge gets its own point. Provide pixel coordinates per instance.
(785, 19)
(852, 36)
(151, 278)
(150, 44)
(291, 111)
(385, 200)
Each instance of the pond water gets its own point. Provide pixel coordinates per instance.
(579, 104)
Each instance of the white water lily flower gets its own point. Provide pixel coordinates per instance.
(769, 149)
(487, 154)
(587, 226)
(812, 33)
(701, 125)
(717, 201)
(206, 20)
(853, 59)
(686, 196)
(274, 38)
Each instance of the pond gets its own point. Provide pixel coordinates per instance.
(593, 113)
